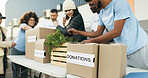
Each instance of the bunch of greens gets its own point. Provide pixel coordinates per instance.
(57, 39)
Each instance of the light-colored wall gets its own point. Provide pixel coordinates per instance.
(141, 12)
(141, 9)
(15, 31)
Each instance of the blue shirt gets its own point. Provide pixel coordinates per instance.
(20, 40)
(132, 34)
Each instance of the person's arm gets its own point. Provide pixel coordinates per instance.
(5, 44)
(25, 27)
(99, 32)
(118, 26)
(63, 30)
(121, 14)
(75, 23)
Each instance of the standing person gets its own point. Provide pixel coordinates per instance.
(53, 18)
(76, 20)
(118, 17)
(3, 49)
(28, 21)
(50, 23)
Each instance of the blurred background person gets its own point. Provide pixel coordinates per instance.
(45, 23)
(28, 21)
(76, 20)
(3, 48)
(53, 18)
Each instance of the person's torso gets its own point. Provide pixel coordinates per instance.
(78, 20)
(80, 26)
(20, 40)
(51, 24)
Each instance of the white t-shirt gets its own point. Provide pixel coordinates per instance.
(94, 22)
(47, 23)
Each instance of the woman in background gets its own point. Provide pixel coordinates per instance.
(75, 20)
(28, 21)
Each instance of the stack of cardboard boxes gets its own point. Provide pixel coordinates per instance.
(35, 48)
(84, 60)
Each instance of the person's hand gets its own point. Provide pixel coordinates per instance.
(87, 41)
(13, 44)
(73, 31)
(56, 23)
(29, 27)
(26, 27)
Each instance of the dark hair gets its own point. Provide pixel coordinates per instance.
(74, 14)
(54, 10)
(87, 0)
(25, 18)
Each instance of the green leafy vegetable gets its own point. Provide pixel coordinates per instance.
(57, 39)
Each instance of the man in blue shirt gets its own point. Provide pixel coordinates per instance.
(118, 17)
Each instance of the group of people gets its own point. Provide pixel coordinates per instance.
(115, 20)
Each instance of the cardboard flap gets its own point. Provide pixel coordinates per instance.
(83, 48)
(113, 44)
(118, 44)
(39, 45)
(30, 30)
(43, 27)
(40, 41)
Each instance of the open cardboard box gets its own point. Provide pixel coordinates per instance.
(32, 36)
(41, 52)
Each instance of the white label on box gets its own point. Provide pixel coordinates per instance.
(81, 58)
(39, 53)
(32, 39)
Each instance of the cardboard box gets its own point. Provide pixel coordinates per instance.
(112, 60)
(31, 37)
(41, 52)
(82, 60)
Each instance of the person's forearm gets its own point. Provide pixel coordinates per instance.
(89, 34)
(106, 37)
(5, 44)
(26, 27)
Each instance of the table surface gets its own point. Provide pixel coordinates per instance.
(45, 68)
(52, 70)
